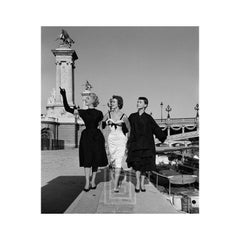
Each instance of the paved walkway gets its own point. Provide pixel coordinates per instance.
(63, 183)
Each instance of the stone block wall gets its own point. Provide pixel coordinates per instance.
(66, 132)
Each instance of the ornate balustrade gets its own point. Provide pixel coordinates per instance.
(176, 121)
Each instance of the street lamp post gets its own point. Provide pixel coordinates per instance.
(168, 109)
(161, 109)
(197, 109)
(197, 115)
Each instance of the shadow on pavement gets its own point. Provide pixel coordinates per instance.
(60, 192)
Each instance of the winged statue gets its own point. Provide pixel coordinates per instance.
(64, 36)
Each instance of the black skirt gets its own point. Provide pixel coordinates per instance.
(92, 149)
(141, 160)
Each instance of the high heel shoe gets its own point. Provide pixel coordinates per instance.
(94, 187)
(137, 190)
(86, 189)
(116, 190)
(143, 189)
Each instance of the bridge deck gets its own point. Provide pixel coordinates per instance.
(104, 200)
(63, 183)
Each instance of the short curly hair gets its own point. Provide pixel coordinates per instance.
(95, 99)
(119, 100)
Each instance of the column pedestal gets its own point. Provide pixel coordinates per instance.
(65, 58)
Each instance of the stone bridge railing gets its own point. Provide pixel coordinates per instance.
(183, 136)
(176, 121)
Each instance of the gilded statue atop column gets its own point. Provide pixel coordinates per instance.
(88, 86)
(65, 38)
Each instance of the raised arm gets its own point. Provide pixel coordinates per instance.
(65, 103)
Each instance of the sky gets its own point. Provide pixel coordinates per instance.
(160, 63)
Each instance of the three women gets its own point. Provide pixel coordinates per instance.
(139, 129)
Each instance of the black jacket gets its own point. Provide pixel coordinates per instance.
(143, 127)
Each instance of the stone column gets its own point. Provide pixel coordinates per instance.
(66, 81)
(73, 86)
(64, 121)
(58, 82)
(65, 58)
(70, 82)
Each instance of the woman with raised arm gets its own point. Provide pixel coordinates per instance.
(92, 152)
(118, 136)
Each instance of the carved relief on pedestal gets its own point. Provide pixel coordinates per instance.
(52, 98)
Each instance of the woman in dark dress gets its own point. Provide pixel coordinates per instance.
(92, 152)
(141, 147)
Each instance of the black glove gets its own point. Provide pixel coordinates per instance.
(62, 91)
(104, 124)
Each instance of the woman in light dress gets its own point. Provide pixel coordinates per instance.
(119, 126)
